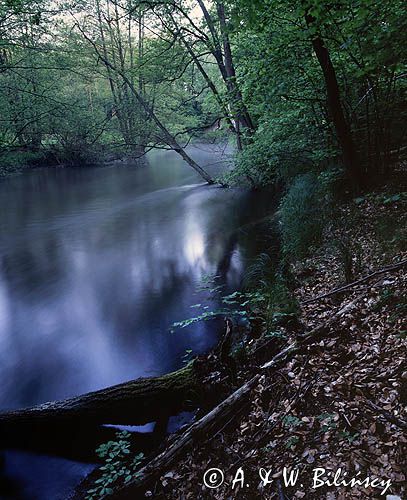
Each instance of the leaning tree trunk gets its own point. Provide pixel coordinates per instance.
(199, 432)
(136, 402)
(167, 137)
(342, 128)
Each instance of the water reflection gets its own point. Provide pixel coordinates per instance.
(96, 264)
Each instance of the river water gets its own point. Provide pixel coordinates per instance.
(95, 266)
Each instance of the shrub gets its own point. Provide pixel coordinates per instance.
(283, 146)
(302, 213)
(12, 162)
(118, 466)
(275, 304)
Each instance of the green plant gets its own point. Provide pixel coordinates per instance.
(117, 465)
(292, 441)
(303, 213)
(291, 421)
(350, 256)
(348, 436)
(235, 304)
(327, 421)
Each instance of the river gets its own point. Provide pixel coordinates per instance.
(96, 264)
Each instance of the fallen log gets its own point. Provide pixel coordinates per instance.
(205, 427)
(210, 424)
(135, 402)
(74, 427)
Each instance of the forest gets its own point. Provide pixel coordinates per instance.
(249, 155)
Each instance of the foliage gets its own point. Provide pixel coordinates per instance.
(71, 76)
(302, 215)
(265, 298)
(283, 146)
(284, 87)
(117, 466)
(12, 162)
(68, 77)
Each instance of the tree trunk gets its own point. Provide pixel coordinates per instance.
(342, 128)
(243, 115)
(125, 107)
(202, 430)
(167, 137)
(134, 403)
(210, 83)
(224, 60)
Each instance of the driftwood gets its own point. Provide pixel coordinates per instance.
(344, 288)
(136, 402)
(198, 432)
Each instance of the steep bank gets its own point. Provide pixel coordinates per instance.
(338, 401)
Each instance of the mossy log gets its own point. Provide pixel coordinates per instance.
(136, 402)
(199, 432)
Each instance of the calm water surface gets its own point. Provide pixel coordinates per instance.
(95, 266)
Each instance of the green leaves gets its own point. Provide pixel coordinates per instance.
(302, 214)
(118, 465)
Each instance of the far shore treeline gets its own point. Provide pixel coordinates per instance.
(310, 91)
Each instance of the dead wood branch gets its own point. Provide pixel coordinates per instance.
(344, 288)
(197, 433)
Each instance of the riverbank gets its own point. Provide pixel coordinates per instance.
(335, 402)
(18, 162)
(339, 403)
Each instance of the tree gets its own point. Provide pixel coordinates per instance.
(304, 121)
(117, 68)
(342, 128)
(207, 42)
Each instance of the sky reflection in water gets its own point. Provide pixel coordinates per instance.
(95, 266)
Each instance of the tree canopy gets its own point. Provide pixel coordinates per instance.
(305, 86)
